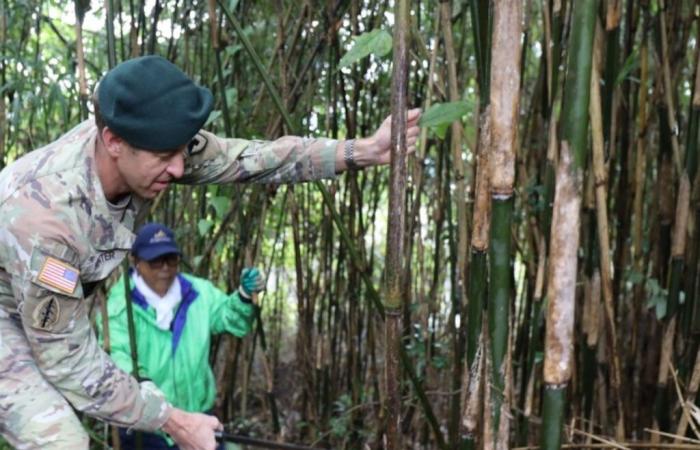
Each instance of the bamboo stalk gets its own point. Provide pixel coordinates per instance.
(552, 44)
(109, 27)
(600, 176)
(640, 160)
(395, 264)
(481, 29)
(561, 287)
(668, 90)
(79, 50)
(505, 103)
(462, 237)
(481, 20)
(478, 279)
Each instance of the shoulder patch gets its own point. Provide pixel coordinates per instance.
(46, 313)
(197, 144)
(59, 275)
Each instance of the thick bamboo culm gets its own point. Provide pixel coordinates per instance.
(561, 286)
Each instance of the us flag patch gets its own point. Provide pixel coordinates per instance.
(59, 275)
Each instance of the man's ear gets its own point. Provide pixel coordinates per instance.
(113, 143)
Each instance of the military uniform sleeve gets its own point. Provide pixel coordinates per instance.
(228, 313)
(55, 319)
(289, 159)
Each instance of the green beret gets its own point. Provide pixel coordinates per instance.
(151, 104)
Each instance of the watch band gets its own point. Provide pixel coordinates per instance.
(349, 155)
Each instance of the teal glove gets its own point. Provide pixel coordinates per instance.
(252, 282)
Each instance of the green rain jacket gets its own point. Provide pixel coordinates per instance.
(177, 360)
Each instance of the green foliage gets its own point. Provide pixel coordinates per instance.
(440, 115)
(341, 422)
(417, 349)
(221, 206)
(375, 42)
(204, 226)
(657, 296)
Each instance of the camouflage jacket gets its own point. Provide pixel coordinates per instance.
(58, 238)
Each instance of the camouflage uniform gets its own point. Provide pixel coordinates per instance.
(54, 212)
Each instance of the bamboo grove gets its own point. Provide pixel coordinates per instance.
(528, 278)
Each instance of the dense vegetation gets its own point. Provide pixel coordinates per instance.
(548, 272)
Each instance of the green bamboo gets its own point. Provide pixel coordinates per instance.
(554, 402)
(500, 291)
(482, 22)
(574, 115)
(561, 289)
(132, 336)
(503, 143)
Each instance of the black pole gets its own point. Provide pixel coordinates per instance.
(261, 443)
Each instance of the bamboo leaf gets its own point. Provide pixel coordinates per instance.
(375, 42)
(441, 130)
(631, 64)
(444, 113)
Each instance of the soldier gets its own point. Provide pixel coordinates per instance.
(68, 211)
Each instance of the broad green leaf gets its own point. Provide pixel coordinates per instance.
(375, 42)
(441, 130)
(221, 205)
(444, 114)
(203, 226)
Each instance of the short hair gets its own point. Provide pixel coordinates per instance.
(99, 121)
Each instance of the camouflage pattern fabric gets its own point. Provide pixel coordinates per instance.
(57, 240)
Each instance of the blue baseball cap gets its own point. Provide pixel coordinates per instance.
(154, 240)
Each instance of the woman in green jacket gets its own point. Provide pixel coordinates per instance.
(175, 315)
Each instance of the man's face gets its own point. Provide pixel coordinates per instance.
(148, 173)
(159, 273)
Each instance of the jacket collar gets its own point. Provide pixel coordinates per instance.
(189, 295)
